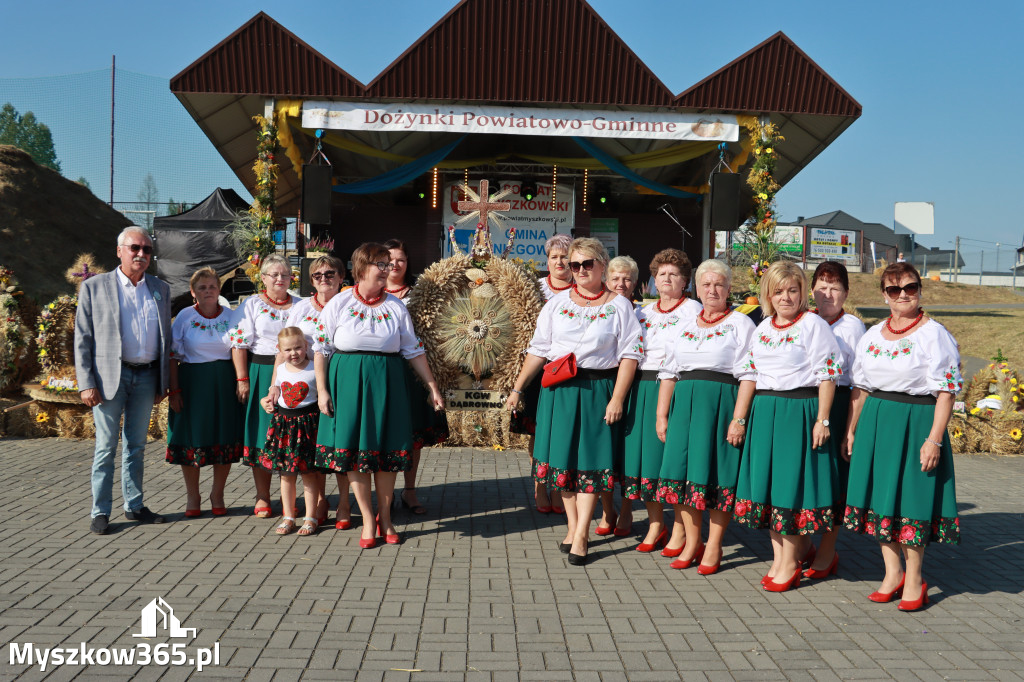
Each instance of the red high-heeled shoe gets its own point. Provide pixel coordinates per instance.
(792, 583)
(886, 597)
(342, 524)
(192, 513)
(672, 553)
(393, 539)
(658, 542)
(809, 557)
(711, 570)
(608, 530)
(830, 570)
(765, 579)
(557, 510)
(367, 543)
(543, 510)
(686, 563)
(907, 605)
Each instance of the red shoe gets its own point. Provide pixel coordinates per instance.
(792, 583)
(818, 575)
(686, 563)
(219, 511)
(658, 542)
(557, 510)
(367, 543)
(886, 597)
(264, 512)
(622, 532)
(609, 529)
(342, 524)
(907, 605)
(672, 552)
(765, 580)
(543, 510)
(809, 557)
(704, 569)
(393, 539)
(192, 513)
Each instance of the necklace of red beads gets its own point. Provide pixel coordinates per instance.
(834, 319)
(269, 299)
(584, 296)
(364, 301)
(714, 321)
(657, 305)
(552, 286)
(316, 301)
(788, 324)
(897, 332)
(204, 315)
(397, 291)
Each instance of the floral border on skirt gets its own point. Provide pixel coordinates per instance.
(700, 496)
(572, 480)
(911, 532)
(203, 456)
(342, 461)
(784, 521)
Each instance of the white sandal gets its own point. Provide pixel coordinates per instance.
(287, 526)
(309, 526)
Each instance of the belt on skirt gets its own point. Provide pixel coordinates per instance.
(258, 359)
(907, 398)
(708, 375)
(298, 411)
(584, 373)
(794, 394)
(645, 375)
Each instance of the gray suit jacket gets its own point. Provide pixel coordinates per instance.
(98, 333)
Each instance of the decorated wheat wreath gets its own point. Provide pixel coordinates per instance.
(14, 336)
(476, 314)
(993, 417)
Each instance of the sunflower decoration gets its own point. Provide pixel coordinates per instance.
(1016, 434)
(958, 433)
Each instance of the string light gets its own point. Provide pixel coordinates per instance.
(554, 185)
(585, 178)
(465, 181)
(433, 191)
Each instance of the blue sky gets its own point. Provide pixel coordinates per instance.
(940, 82)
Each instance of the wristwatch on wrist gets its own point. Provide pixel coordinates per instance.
(742, 421)
(824, 422)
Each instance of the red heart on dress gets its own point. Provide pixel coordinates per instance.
(293, 394)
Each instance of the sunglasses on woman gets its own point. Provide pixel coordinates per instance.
(894, 291)
(326, 275)
(586, 265)
(135, 248)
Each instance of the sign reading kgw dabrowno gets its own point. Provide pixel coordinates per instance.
(405, 117)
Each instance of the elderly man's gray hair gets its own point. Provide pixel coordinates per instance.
(133, 229)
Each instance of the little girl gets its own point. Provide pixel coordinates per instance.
(291, 437)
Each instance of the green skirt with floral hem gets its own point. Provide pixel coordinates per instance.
(889, 498)
(371, 428)
(642, 449)
(208, 430)
(257, 421)
(574, 449)
(784, 484)
(838, 416)
(429, 427)
(700, 467)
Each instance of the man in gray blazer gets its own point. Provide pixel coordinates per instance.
(122, 341)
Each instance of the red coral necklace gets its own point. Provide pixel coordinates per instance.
(398, 290)
(579, 293)
(666, 312)
(714, 321)
(833, 320)
(372, 301)
(788, 324)
(269, 299)
(316, 302)
(897, 332)
(551, 285)
(208, 317)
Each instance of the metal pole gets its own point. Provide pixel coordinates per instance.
(981, 268)
(924, 266)
(950, 267)
(956, 261)
(113, 75)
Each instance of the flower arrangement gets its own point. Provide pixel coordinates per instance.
(55, 341)
(319, 244)
(252, 231)
(758, 246)
(993, 416)
(14, 335)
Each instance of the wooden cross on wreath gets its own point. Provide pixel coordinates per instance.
(482, 207)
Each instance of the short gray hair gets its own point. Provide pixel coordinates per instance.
(133, 229)
(559, 241)
(715, 267)
(624, 264)
(273, 259)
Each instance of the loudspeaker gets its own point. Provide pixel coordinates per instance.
(305, 286)
(316, 194)
(722, 207)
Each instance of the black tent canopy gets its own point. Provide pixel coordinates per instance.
(200, 236)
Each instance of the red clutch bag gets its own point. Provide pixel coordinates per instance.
(557, 371)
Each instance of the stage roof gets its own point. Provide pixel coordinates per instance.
(551, 53)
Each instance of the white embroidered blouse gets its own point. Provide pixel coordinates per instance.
(195, 338)
(546, 289)
(600, 336)
(848, 330)
(720, 348)
(298, 388)
(658, 328)
(306, 317)
(349, 325)
(802, 355)
(925, 362)
(257, 324)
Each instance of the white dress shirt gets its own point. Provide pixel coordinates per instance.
(140, 321)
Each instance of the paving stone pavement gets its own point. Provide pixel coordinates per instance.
(479, 590)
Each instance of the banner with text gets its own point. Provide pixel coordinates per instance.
(405, 117)
(829, 244)
(535, 220)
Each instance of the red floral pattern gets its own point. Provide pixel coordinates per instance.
(202, 456)
(430, 435)
(783, 521)
(634, 488)
(697, 495)
(341, 460)
(291, 443)
(906, 531)
(574, 481)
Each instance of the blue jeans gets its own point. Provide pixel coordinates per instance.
(134, 398)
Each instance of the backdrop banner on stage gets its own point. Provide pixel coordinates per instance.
(535, 221)
(462, 118)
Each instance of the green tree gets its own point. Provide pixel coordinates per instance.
(84, 182)
(27, 134)
(149, 199)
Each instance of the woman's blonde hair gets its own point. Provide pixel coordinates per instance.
(272, 260)
(624, 264)
(589, 246)
(714, 266)
(203, 273)
(329, 261)
(779, 273)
